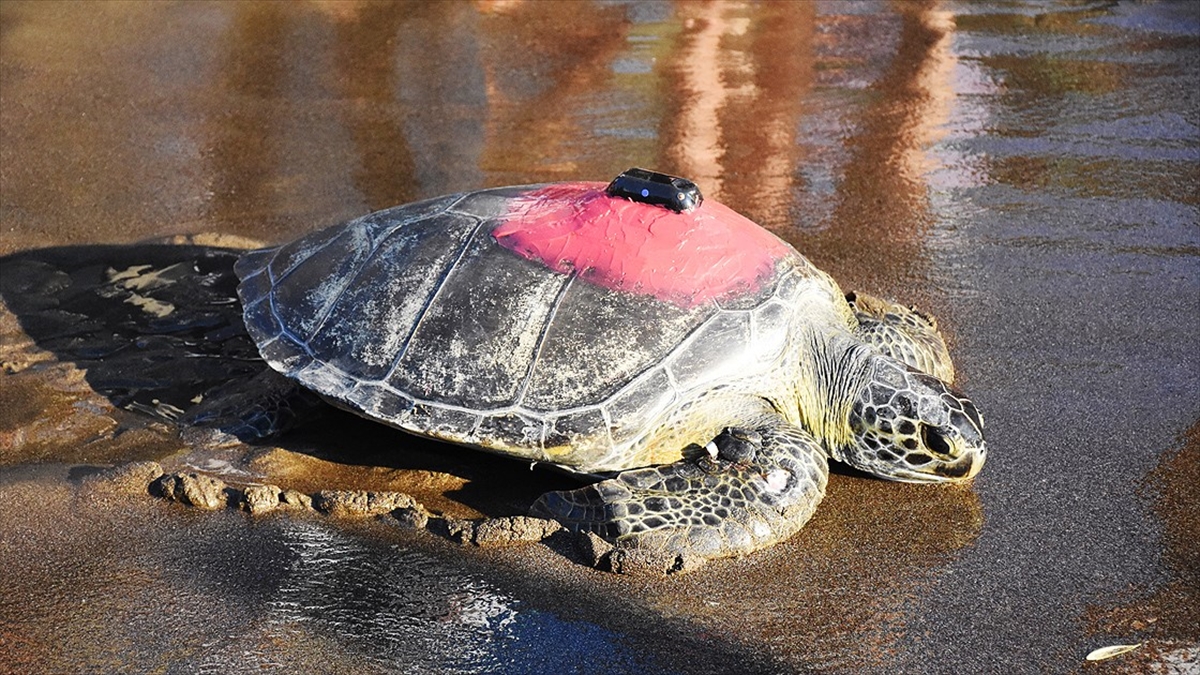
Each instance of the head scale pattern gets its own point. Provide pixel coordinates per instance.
(910, 426)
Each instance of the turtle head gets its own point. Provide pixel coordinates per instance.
(909, 426)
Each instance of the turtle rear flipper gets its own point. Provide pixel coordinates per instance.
(903, 333)
(730, 500)
(256, 409)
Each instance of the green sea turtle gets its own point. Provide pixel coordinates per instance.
(694, 362)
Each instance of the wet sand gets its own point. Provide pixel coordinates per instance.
(1027, 174)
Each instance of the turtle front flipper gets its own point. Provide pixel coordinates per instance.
(903, 333)
(747, 489)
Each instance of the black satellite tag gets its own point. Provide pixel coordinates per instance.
(651, 187)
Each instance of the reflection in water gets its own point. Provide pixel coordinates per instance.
(548, 90)
(388, 608)
(881, 213)
(364, 75)
(244, 151)
(762, 153)
(706, 89)
(392, 605)
(442, 94)
(280, 158)
(739, 74)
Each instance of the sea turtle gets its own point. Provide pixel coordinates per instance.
(695, 363)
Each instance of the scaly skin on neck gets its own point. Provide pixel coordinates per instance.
(827, 385)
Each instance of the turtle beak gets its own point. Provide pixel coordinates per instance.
(969, 462)
(947, 454)
(959, 451)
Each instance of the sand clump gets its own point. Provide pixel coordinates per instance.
(208, 492)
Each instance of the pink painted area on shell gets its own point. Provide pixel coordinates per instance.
(710, 253)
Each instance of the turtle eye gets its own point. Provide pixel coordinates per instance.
(933, 439)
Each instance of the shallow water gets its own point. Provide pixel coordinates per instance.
(1026, 171)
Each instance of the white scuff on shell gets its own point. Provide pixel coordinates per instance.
(777, 480)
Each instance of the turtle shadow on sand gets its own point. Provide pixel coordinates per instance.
(157, 329)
